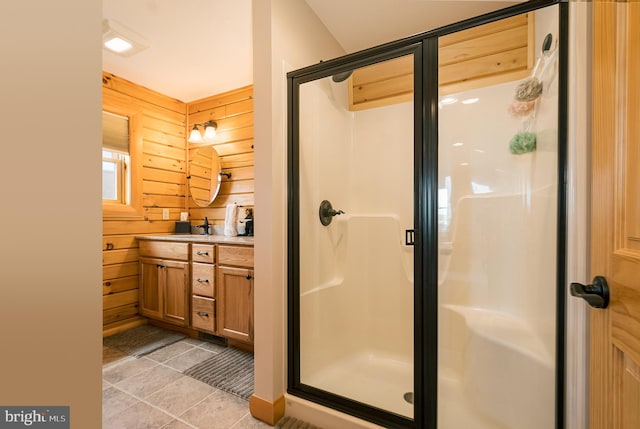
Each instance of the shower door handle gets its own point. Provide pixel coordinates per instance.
(326, 212)
(596, 294)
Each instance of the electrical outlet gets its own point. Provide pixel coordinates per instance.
(165, 214)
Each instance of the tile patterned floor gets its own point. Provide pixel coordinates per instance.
(152, 393)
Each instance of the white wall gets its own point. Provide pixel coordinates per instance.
(287, 35)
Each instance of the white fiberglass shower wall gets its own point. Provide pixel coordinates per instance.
(356, 274)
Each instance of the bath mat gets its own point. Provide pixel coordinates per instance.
(292, 423)
(230, 370)
(142, 340)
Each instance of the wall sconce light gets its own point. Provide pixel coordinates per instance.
(209, 133)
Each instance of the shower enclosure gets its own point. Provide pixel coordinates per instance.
(426, 226)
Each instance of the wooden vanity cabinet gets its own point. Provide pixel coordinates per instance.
(164, 281)
(234, 282)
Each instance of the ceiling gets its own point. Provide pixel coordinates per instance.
(200, 48)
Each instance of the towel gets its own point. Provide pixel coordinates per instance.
(231, 221)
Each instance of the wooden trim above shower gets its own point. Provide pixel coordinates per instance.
(489, 54)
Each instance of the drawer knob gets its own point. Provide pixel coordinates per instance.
(202, 253)
(200, 313)
(203, 280)
(249, 276)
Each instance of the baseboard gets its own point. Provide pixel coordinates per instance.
(268, 412)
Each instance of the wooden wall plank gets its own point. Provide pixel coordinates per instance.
(234, 161)
(119, 256)
(112, 97)
(234, 148)
(162, 201)
(490, 44)
(234, 96)
(137, 227)
(161, 188)
(117, 314)
(114, 242)
(162, 163)
(157, 175)
(119, 270)
(500, 63)
(163, 150)
(120, 285)
(483, 30)
(119, 299)
(124, 86)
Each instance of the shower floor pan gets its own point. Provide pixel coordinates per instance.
(368, 377)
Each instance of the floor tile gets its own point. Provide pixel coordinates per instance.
(179, 396)
(115, 401)
(193, 341)
(128, 368)
(249, 422)
(219, 410)
(189, 359)
(139, 416)
(148, 382)
(170, 351)
(177, 424)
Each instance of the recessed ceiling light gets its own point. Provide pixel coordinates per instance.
(121, 40)
(470, 100)
(458, 144)
(118, 45)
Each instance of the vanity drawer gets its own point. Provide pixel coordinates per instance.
(202, 279)
(164, 249)
(203, 315)
(240, 256)
(202, 253)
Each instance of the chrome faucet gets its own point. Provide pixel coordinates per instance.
(205, 226)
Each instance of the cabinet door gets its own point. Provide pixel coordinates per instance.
(150, 292)
(235, 303)
(175, 288)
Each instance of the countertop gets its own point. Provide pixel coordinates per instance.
(198, 238)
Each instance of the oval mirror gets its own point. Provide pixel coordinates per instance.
(205, 177)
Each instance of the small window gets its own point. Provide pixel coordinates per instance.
(119, 176)
(116, 180)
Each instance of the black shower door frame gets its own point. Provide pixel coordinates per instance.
(424, 48)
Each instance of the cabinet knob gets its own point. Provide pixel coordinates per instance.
(202, 280)
(200, 313)
(249, 276)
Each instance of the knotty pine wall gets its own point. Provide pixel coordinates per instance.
(164, 174)
(233, 112)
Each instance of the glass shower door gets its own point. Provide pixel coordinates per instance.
(356, 216)
(497, 225)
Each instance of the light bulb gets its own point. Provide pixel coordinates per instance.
(195, 136)
(210, 131)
